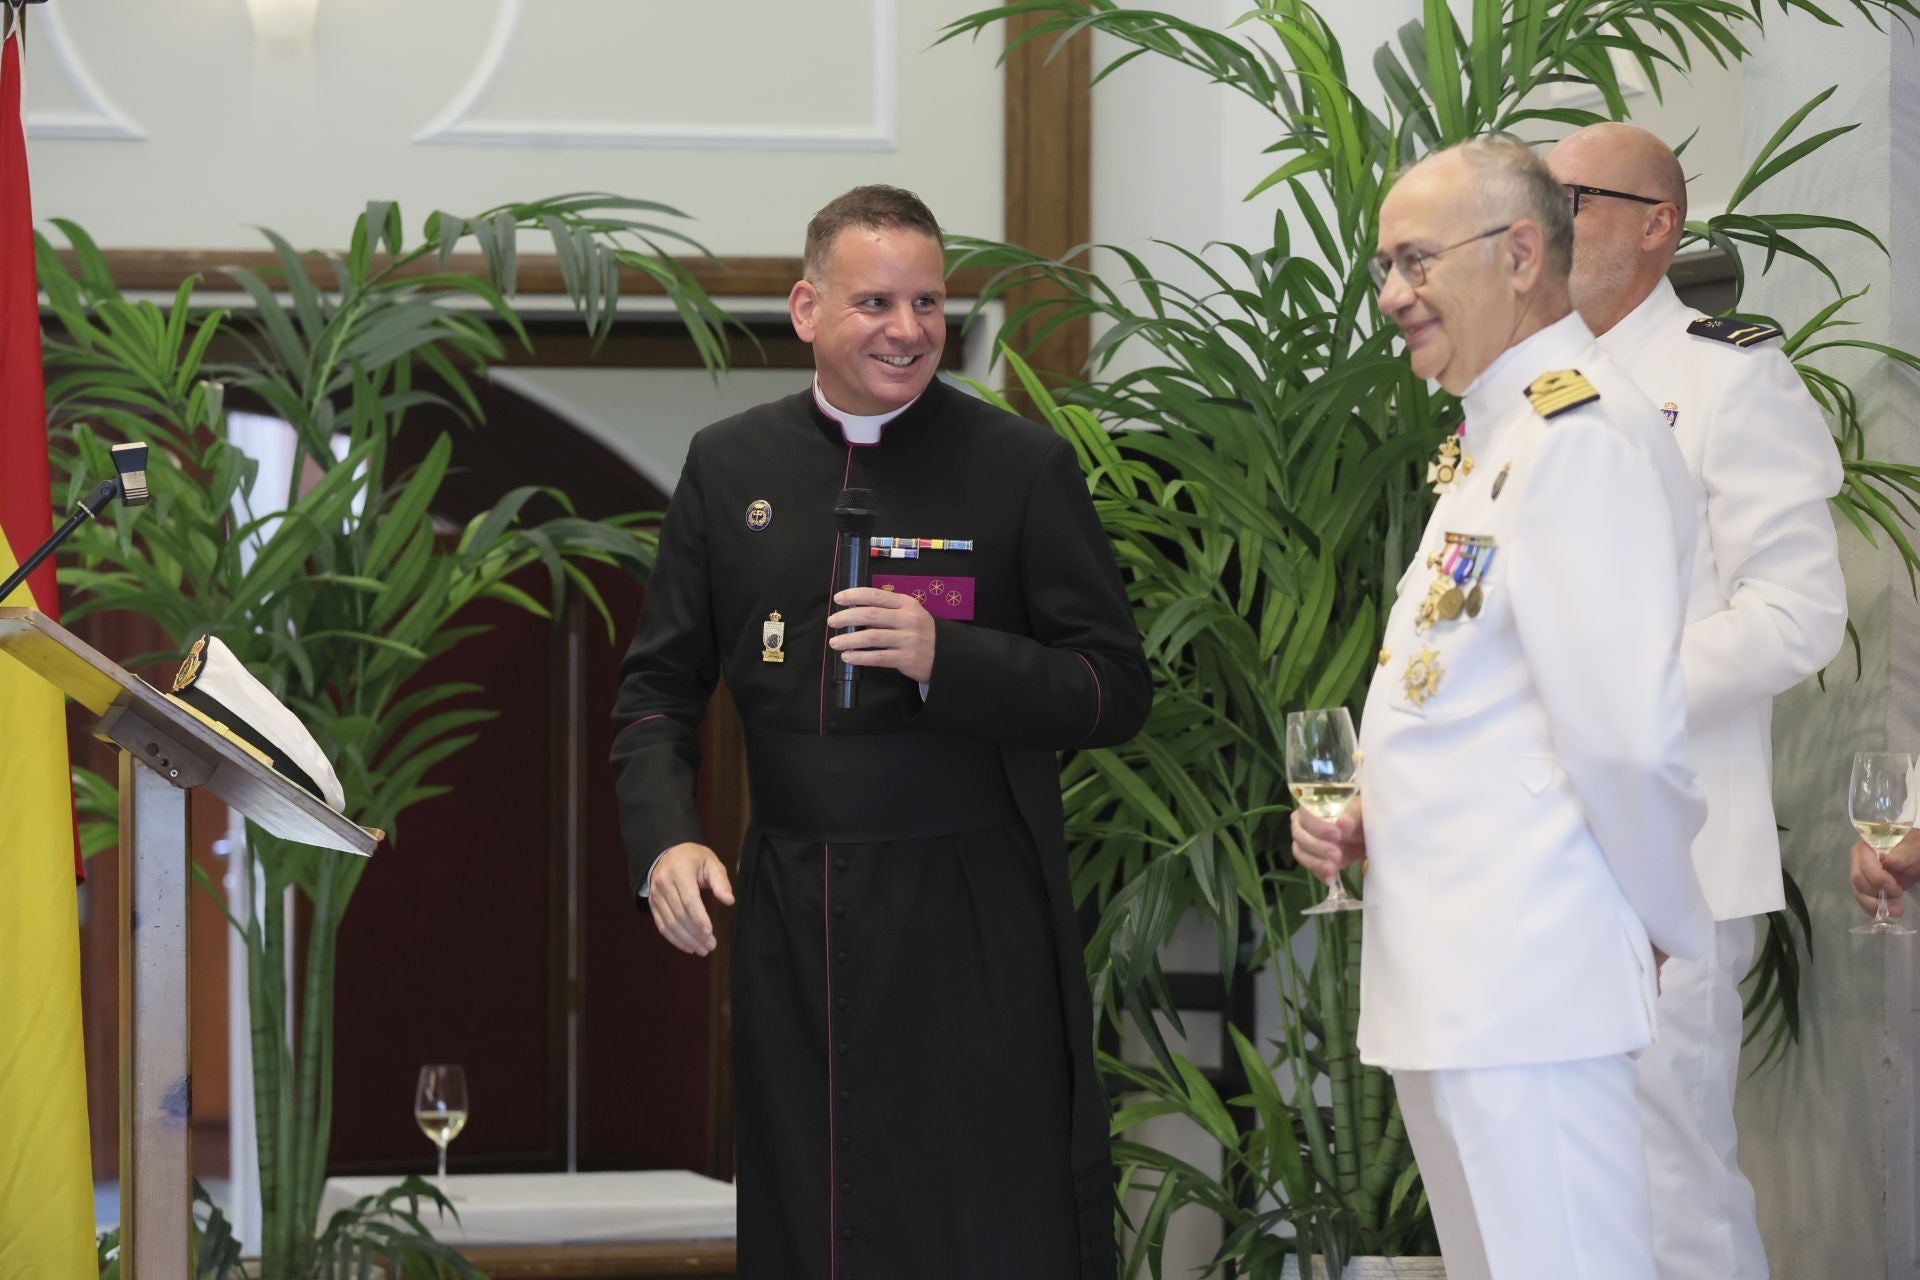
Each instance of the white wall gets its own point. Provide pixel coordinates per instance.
(165, 125)
(1174, 156)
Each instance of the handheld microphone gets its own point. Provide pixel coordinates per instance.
(853, 516)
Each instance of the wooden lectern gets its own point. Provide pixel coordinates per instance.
(165, 751)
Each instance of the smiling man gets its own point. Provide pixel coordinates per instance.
(907, 982)
(1528, 802)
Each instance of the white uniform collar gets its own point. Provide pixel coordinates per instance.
(1501, 387)
(1658, 315)
(854, 428)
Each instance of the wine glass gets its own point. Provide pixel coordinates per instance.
(440, 1105)
(1881, 801)
(1321, 759)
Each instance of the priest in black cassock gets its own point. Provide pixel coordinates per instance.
(915, 1095)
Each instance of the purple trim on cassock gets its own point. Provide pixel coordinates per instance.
(1099, 699)
(658, 715)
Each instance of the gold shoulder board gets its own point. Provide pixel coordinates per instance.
(1741, 333)
(1552, 394)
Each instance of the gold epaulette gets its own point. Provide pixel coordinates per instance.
(1552, 394)
(1741, 333)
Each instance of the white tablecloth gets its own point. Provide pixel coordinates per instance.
(565, 1208)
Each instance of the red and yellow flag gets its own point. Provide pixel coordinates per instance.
(46, 1175)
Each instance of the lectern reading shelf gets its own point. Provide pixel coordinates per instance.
(165, 751)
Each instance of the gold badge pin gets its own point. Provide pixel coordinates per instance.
(773, 639)
(190, 669)
(759, 514)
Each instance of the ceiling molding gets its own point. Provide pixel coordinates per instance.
(457, 125)
(98, 119)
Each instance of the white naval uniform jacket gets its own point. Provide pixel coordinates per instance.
(1528, 822)
(1768, 606)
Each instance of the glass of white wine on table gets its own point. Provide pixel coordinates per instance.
(1322, 764)
(440, 1106)
(1881, 803)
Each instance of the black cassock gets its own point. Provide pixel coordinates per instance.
(915, 1095)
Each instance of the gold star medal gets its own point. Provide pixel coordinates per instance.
(773, 639)
(1421, 679)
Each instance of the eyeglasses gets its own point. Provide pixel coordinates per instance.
(1412, 263)
(1575, 190)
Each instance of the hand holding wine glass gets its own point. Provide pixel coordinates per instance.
(1322, 763)
(1881, 803)
(440, 1106)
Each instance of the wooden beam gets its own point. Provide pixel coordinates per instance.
(162, 270)
(1049, 148)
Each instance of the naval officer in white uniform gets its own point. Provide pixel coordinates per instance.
(1528, 801)
(1767, 608)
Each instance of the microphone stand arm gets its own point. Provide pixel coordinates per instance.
(86, 509)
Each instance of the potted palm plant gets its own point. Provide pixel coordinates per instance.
(340, 591)
(1257, 456)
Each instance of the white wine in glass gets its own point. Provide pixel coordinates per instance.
(1881, 803)
(440, 1106)
(1321, 764)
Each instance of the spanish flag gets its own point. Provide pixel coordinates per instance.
(46, 1176)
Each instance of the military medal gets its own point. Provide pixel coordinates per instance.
(773, 638)
(1421, 679)
(910, 548)
(1449, 464)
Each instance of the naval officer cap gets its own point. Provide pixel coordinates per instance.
(217, 685)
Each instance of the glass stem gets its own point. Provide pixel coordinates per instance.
(443, 1149)
(1881, 916)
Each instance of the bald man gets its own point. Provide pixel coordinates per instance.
(1767, 609)
(1528, 802)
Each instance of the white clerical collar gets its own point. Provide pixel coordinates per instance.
(854, 428)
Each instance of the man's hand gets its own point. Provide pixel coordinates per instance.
(1893, 875)
(895, 631)
(674, 894)
(1324, 847)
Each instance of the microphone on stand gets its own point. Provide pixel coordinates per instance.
(129, 484)
(853, 516)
